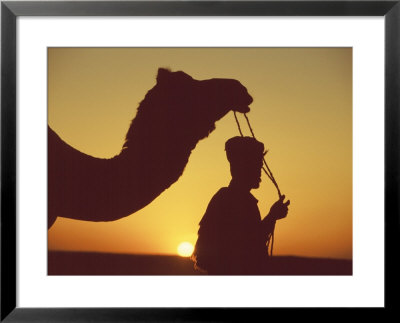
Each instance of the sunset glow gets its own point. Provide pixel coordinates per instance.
(302, 111)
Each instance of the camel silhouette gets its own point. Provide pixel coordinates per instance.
(174, 115)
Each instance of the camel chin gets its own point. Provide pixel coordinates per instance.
(243, 109)
(173, 117)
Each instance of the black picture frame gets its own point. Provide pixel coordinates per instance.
(11, 10)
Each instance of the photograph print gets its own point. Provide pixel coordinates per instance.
(200, 161)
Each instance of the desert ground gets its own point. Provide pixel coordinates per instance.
(91, 263)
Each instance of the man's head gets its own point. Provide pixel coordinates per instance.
(245, 155)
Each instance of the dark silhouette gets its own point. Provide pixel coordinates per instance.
(174, 115)
(232, 237)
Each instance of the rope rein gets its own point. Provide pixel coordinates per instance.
(266, 169)
(268, 172)
(238, 124)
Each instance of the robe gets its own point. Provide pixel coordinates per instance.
(232, 237)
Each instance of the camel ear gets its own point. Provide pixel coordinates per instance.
(163, 74)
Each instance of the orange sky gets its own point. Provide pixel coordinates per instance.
(302, 111)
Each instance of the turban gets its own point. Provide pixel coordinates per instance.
(244, 150)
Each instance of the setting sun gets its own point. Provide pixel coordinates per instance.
(185, 249)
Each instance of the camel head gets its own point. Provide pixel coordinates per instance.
(212, 97)
(182, 108)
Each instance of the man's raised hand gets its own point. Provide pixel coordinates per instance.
(279, 209)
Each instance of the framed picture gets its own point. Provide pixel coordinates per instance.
(316, 82)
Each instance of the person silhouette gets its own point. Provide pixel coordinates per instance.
(232, 236)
